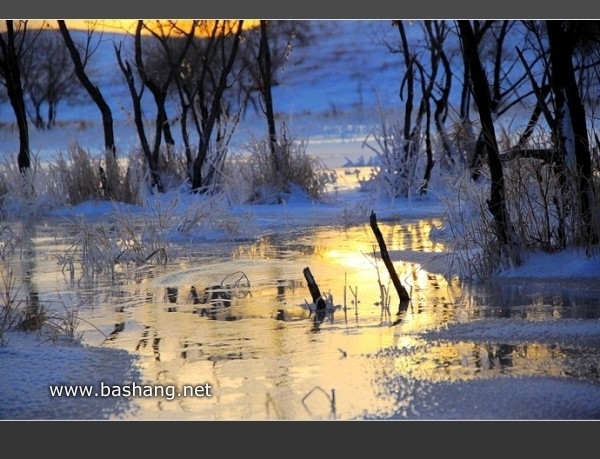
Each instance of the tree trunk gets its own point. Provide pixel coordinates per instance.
(481, 92)
(402, 293)
(571, 122)
(208, 123)
(93, 91)
(264, 64)
(9, 64)
(139, 122)
(409, 79)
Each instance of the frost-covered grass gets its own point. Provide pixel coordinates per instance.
(258, 177)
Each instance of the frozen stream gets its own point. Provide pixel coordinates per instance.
(264, 358)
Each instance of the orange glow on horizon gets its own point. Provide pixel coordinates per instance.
(123, 26)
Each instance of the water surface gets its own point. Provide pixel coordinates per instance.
(257, 345)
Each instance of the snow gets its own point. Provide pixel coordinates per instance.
(568, 264)
(31, 363)
(30, 366)
(504, 398)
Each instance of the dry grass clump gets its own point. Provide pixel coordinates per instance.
(259, 178)
(78, 176)
(21, 189)
(542, 201)
(476, 251)
(75, 176)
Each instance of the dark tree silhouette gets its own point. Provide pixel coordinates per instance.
(11, 50)
(80, 63)
(264, 65)
(158, 79)
(48, 76)
(481, 94)
(210, 106)
(571, 118)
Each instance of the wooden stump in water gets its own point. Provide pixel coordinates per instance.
(315, 292)
(402, 293)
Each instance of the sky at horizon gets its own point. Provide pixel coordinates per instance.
(118, 26)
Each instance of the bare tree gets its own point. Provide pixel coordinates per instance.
(157, 77)
(80, 56)
(213, 114)
(507, 84)
(570, 120)
(204, 78)
(209, 70)
(262, 60)
(48, 76)
(485, 105)
(560, 60)
(424, 61)
(437, 33)
(266, 84)
(12, 44)
(282, 37)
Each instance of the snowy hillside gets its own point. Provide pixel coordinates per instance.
(330, 88)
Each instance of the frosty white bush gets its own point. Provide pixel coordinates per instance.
(398, 159)
(258, 178)
(80, 175)
(476, 250)
(22, 190)
(542, 203)
(75, 176)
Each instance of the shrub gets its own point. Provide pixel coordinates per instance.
(398, 159)
(263, 182)
(80, 176)
(476, 253)
(75, 176)
(21, 189)
(543, 211)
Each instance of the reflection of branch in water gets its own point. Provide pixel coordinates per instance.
(191, 350)
(144, 340)
(345, 306)
(271, 402)
(219, 297)
(155, 344)
(402, 308)
(118, 329)
(355, 301)
(195, 297)
(241, 285)
(171, 294)
(331, 399)
(384, 296)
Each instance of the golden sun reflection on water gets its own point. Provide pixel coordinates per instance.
(262, 355)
